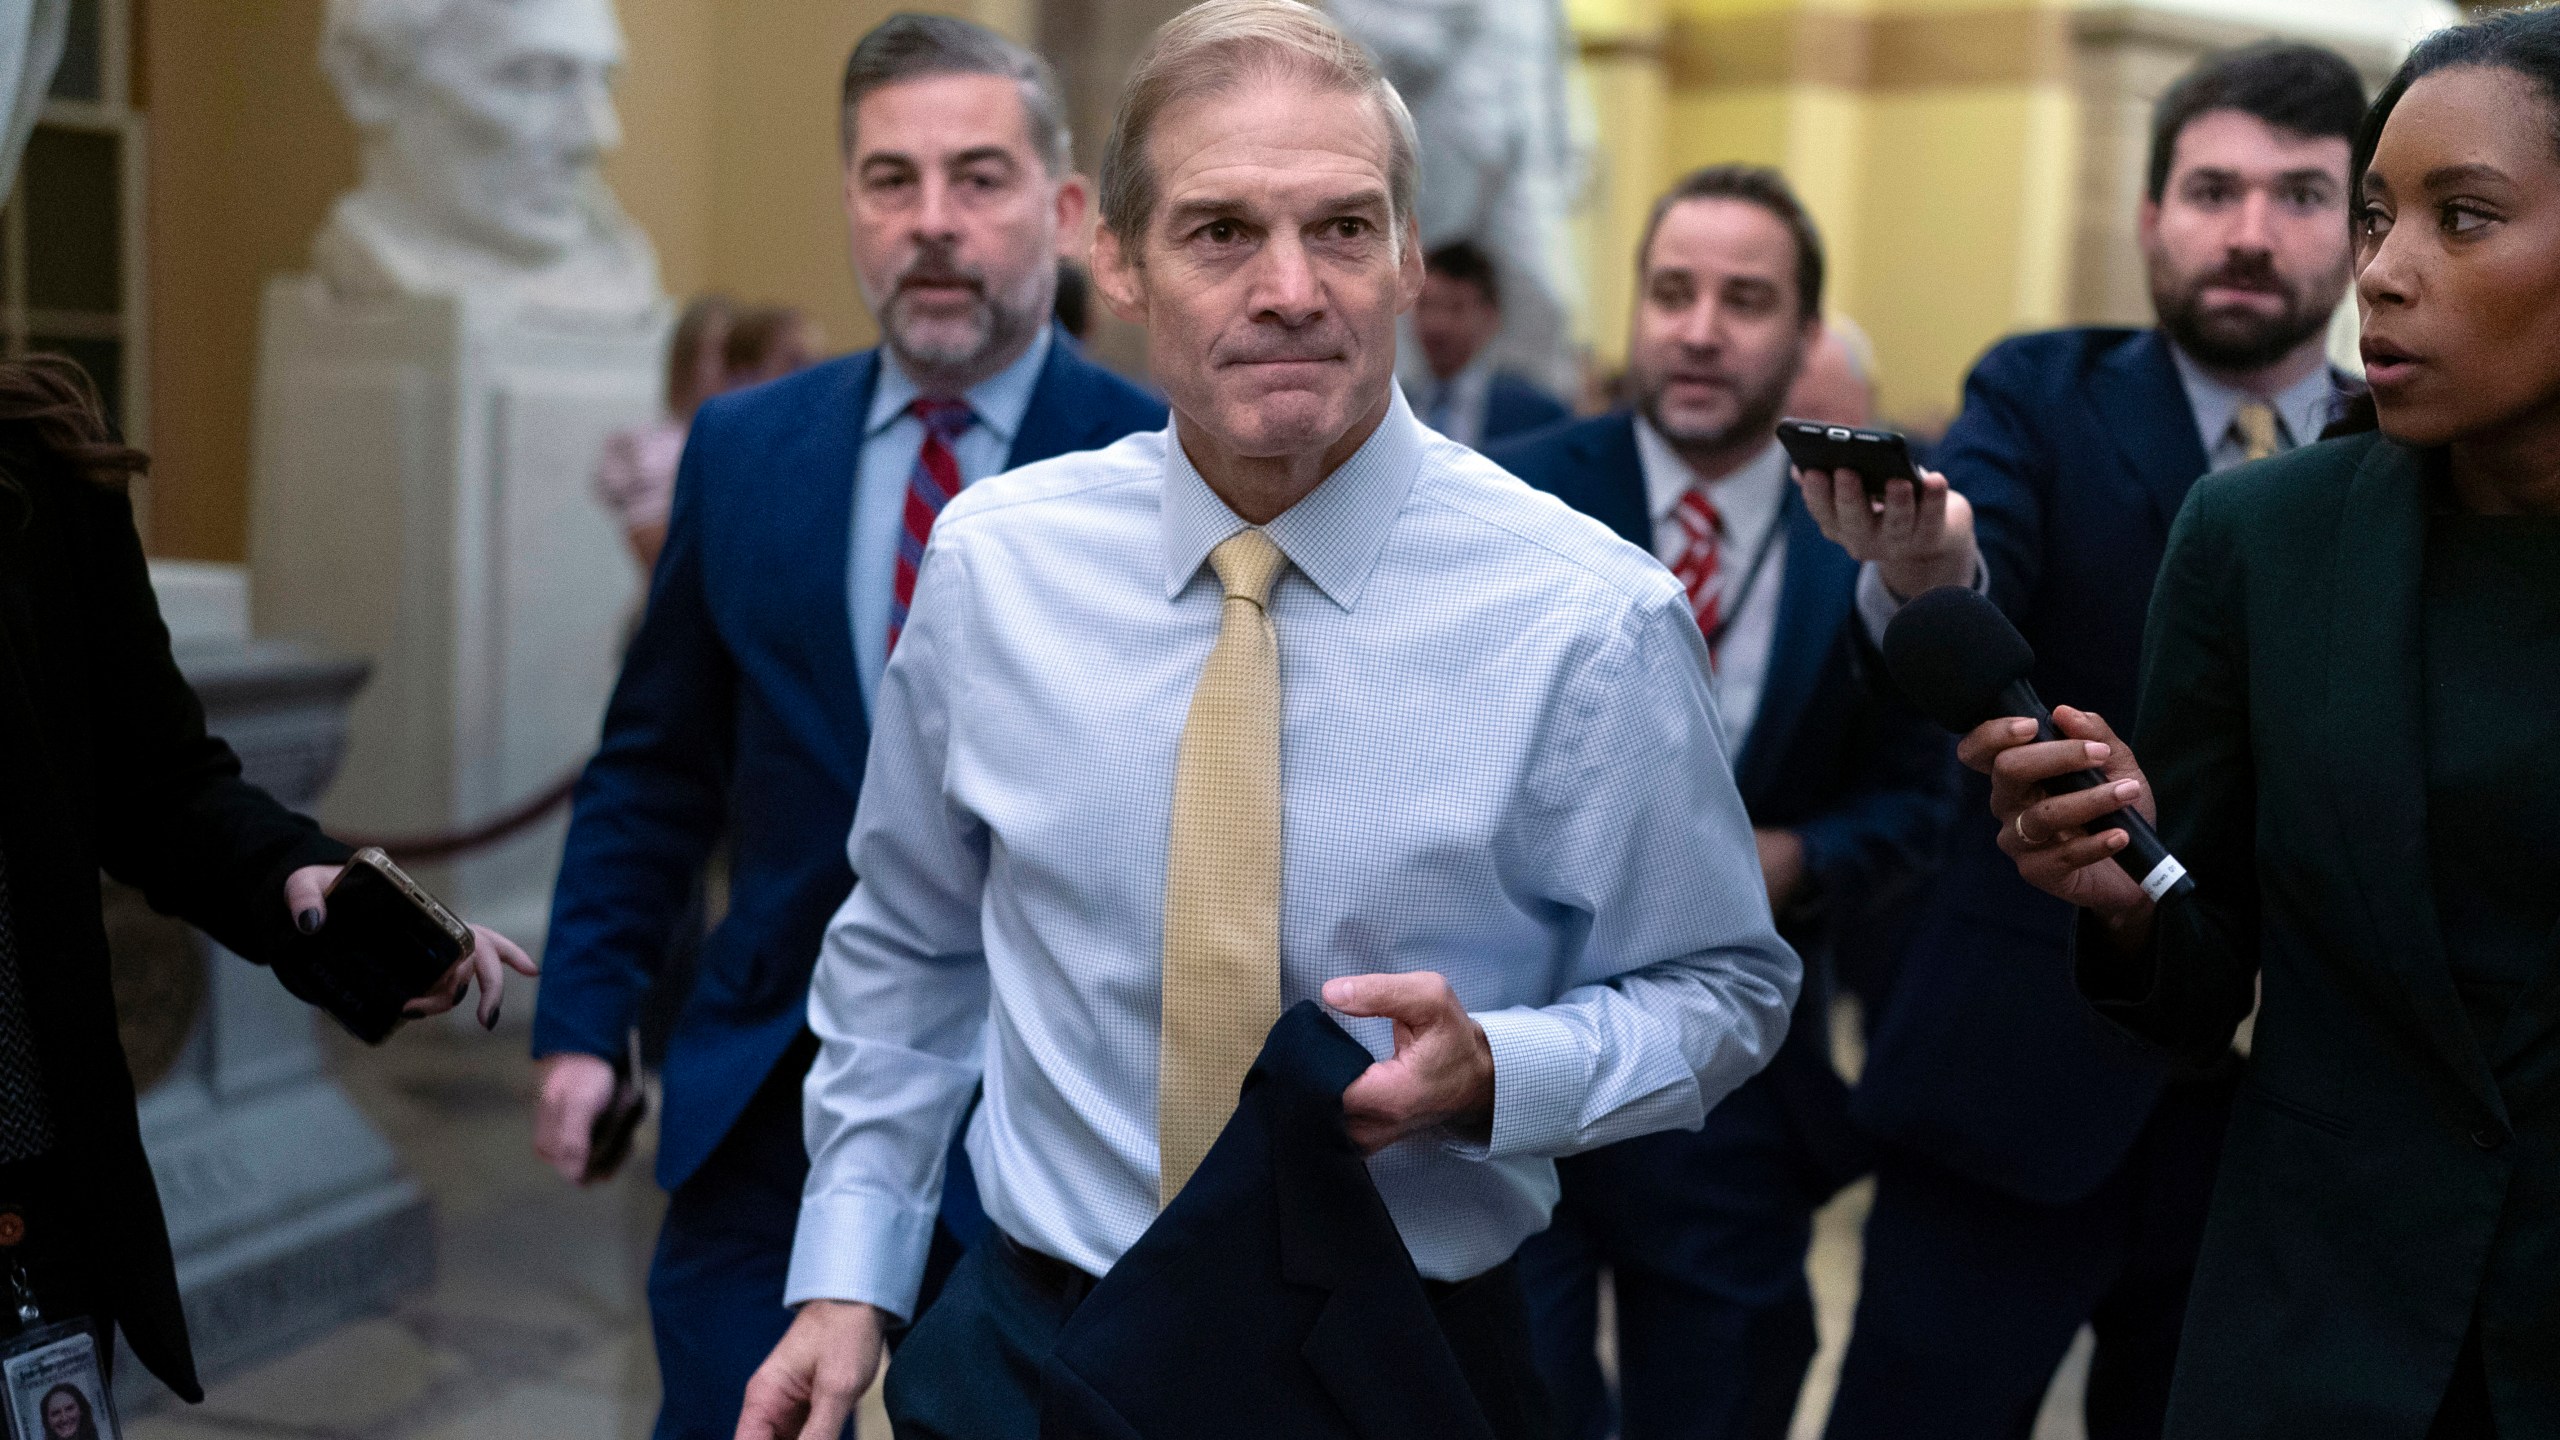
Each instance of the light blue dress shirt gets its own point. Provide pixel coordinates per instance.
(890, 439)
(1499, 761)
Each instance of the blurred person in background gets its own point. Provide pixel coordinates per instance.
(2036, 1171)
(767, 342)
(743, 711)
(636, 477)
(1455, 323)
(1075, 301)
(1836, 384)
(2347, 717)
(1705, 1232)
(105, 765)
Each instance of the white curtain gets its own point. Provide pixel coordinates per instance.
(31, 34)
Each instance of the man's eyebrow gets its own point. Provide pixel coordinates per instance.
(1368, 199)
(978, 153)
(1206, 208)
(2301, 173)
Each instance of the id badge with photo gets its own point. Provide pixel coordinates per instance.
(53, 1388)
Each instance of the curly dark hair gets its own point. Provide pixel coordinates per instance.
(50, 416)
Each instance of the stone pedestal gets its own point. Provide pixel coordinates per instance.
(422, 496)
(286, 1211)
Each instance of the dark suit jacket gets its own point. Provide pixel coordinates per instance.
(1513, 406)
(1274, 1299)
(2380, 1186)
(105, 764)
(1842, 762)
(2076, 448)
(739, 713)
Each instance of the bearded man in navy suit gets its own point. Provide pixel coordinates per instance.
(1706, 1232)
(801, 510)
(2037, 1169)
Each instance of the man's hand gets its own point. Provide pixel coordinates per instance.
(1781, 865)
(1442, 1071)
(492, 954)
(1919, 538)
(2046, 834)
(575, 1090)
(808, 1386)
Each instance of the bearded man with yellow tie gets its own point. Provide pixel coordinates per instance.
(1294, 700)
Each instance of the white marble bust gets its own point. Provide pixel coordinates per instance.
(484, 124)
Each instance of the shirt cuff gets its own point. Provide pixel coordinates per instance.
(1539, 1075)
(859, 1247)
(1877, 605)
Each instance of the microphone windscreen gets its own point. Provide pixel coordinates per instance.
(1953, 652)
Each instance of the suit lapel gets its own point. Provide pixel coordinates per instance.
(813, 535)
(1813, 602)
(2144, 411)
(1063, 415)
(2376, 763)
(1615, 467)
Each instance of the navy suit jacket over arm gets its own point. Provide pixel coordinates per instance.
(2076, 448)
(739, 713)
(1273, 1300)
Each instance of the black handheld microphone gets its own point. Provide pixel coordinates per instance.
(1961, 662)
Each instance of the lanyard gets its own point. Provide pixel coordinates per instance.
(1750, 578)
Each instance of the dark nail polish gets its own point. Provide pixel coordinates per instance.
(308, 922)
(492, 1022)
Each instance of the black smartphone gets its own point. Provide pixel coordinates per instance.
(609, 1139)
(384, 943)
(1876, 455)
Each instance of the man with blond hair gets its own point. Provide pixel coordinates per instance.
(1293, 700)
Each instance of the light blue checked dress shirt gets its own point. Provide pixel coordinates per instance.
(1499, 761)
(890, 439)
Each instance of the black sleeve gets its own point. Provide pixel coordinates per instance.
(174, 818)
(2189, 989)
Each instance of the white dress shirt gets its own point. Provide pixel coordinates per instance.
(890, 439)
(1499, 761)
(1753, 504)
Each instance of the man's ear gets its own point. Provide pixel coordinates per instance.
(1409, 266)
(367, 80)
(1115, 274)
(1075, 201)
(2146, 221)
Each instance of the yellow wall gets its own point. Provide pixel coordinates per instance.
(728, 161)
(1932, 140)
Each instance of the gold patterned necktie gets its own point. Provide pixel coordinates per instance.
(2255, 423)
(1222, 871)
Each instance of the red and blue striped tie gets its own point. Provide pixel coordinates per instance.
(930, 486)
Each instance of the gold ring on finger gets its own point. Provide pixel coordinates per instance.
(2020, 825)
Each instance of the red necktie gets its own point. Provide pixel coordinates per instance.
(1701, 529)
(931, 483)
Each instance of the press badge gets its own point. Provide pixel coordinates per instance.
(53, 1386)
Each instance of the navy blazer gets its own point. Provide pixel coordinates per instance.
(1274, 1298)
(739, 713)
(1513, 406)
(1832, 755)
(2076, 448)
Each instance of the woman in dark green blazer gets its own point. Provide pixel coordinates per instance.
(2350, 716)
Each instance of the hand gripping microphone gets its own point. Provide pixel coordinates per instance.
(1961, 662)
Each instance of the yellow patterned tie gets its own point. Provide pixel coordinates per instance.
(2255, 422)
(1222, 871)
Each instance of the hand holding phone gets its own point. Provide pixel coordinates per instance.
(385, 950)
(1877, 457)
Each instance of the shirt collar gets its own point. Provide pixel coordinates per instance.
(1333, 536)
(999, 401)
(1748, 499)
(2306, 406)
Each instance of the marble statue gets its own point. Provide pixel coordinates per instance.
(484, 123)
(1486, 82)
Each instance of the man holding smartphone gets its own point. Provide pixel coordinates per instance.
(1706, 1232)
(2037, 1171)
(744, 708)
